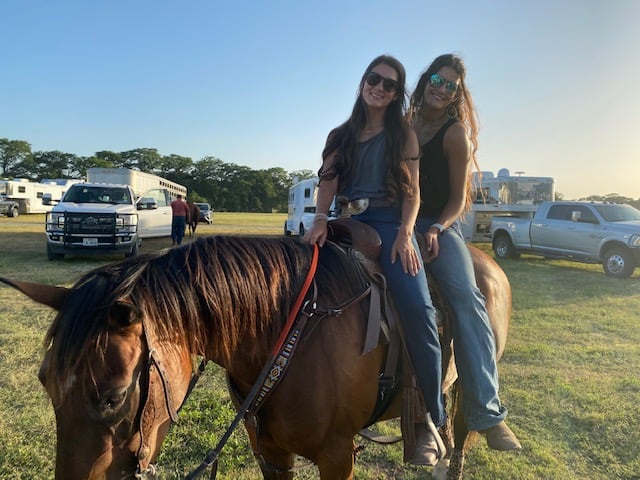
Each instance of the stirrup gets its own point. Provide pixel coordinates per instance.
(442, 449)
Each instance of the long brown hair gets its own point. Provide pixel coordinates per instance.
(461, 107)
(343, 139)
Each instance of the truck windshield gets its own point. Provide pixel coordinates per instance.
(85, 194)
(618, 212)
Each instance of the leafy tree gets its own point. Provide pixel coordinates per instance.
(81, 164)
(13, 153)
(143, 159)
(53, 164)
(300, 175)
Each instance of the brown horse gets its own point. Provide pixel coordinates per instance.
(119, 354)
(193, 219)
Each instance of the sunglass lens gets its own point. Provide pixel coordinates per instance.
(389, 85)
(373, 78)
(436, 81)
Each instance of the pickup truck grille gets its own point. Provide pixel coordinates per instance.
(98, 224)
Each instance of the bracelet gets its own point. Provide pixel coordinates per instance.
(321, 216)
(440, 228)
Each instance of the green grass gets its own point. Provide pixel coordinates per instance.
(569, 375)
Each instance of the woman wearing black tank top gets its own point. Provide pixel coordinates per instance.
(372, 159)
(442, 115)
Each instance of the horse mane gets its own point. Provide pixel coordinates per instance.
(224, 287)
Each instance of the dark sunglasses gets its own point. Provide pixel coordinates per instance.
(388, 84)
(436, 81)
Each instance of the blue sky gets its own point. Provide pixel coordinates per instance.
(261, 83)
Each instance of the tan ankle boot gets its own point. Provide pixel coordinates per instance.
(500, 437)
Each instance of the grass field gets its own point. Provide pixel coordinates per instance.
(569, 374)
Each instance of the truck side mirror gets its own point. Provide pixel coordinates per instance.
(47, 200)
(146, 203)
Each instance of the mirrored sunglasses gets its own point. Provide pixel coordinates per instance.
(436, 81)
(388, 84)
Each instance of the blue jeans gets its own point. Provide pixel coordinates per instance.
(415, 309)
(473, 340)
(178, 225)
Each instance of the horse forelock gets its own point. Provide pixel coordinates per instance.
(78, 335)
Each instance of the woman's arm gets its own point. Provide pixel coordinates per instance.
(326, 191)
(403, 244)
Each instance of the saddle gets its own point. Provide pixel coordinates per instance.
(362, 243)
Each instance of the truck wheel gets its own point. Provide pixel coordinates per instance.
(503, 247)
(53, 256)
(301, 230)
(617, 263)
(13, 213)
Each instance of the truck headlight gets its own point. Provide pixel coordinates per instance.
(57, 219)
(126, 220)
(634, 241)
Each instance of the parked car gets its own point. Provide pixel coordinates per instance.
(589, 232)
(206, 213)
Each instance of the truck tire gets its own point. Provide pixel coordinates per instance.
(13, 212)
(618, 263)
(503, 247)
(54, 256)
(301, 231)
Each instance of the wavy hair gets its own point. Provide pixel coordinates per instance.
(343, 139)
(462, 103)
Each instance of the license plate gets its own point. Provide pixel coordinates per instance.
(89, 242)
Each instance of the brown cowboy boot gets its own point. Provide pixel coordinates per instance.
(430, 448)
(500, 437)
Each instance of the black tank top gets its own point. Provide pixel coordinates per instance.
(434, 174)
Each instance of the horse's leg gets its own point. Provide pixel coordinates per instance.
(335, 462)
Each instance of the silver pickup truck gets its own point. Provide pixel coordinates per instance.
(588, 232)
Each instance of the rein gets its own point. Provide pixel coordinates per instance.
(211, 459)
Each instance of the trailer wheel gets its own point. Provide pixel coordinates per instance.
(503, 247)
(13, 212)
(617, 263)
(53, 256)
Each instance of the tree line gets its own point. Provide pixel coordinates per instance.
(226, 186)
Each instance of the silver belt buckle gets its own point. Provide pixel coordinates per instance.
(356, 207)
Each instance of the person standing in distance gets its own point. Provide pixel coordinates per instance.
(180, 214)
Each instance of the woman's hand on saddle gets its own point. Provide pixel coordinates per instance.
(317, 233)
(403, 247)
(432, 245)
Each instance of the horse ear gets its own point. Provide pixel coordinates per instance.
(123, 315)
(49, 295)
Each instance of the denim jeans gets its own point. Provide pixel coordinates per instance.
(178, 226)
(415, 309)
(473, 340)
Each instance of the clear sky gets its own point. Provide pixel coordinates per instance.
(261, 83)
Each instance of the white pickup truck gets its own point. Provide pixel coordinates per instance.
(588, 232)
(105, 218)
